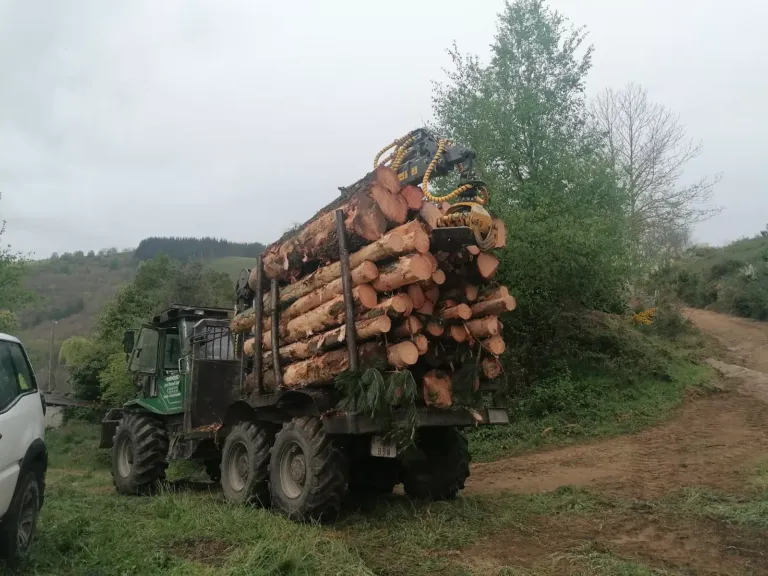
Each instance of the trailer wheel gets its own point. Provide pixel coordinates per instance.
(307, 471)
(139, 450)
(445, 466)
(245, 464)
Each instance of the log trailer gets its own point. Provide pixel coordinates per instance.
(202, 397)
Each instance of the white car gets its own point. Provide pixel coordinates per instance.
(23, 455)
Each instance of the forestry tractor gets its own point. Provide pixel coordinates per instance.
(293, 449)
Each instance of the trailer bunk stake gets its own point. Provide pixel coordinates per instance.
(346, 284)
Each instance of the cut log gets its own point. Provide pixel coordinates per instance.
(487, 265)
(484, 327)
(402, 354)
(493, 293)
(422, 344)
(437, 389)
(390, 245)
(456, 312)
(410, 327)
(413, 197)
(365, 330)
(470, 292)
(493, 307)
(501, 233)
(322, 369)
(495, 345)
(427, 308)
(491, 367)
(397, 306)
(432, 261)
(364, 204)
(458, 333)
(363, 295)
(438, 277)
(474, 250)
(434, 327)
(415, 238)
(429, 214)
(417, 295)
(405, 270)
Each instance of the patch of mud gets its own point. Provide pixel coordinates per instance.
(710, 443)
(207, 551)
(558, 544)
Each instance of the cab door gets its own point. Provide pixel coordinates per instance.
(144, 358)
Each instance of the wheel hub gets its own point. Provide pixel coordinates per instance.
(26, 527)
(293, 470)
(239, 466)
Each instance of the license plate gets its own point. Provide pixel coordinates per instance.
(383, 449)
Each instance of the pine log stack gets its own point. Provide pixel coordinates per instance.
(415, 306)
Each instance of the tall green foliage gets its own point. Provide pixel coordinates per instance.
(98, 369)
(525, 115)
(13, 295)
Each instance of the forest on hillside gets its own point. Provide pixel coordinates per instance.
(186, 249)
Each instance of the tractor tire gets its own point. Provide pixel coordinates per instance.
(245, 464)
(139, 451)
(18, 526)
(445, 468)
(368, 474)
(307, 471)
(213, 469)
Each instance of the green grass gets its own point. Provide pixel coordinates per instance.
(594, 406)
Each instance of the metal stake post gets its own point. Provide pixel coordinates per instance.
(258, 332)
(275, 290)
(346, 284)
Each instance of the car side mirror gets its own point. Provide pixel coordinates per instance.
(129, 340)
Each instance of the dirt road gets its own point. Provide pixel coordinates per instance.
(715, 442)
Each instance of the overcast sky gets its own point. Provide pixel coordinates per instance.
(125, 119)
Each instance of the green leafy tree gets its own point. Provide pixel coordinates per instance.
(525, 115)
(98, 368)
(13, 295)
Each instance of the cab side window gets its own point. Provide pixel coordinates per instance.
(23, 372)
(11, 381)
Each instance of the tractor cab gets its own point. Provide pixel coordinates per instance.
(159, 356)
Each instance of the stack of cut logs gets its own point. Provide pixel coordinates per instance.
(412, 304)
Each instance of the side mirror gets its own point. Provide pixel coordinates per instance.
(129, 340)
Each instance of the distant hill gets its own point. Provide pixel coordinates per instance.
(73, 288)
(732, 278)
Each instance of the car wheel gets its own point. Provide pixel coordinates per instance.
(18, 527)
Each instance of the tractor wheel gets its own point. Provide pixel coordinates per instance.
(369, 474)
(307, 471)
(245, 464)
(213, 469)
(139, 450)
(445, 466)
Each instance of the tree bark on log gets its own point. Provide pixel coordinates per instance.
(392, 244)
(405, 270)
(501, 233)
(431, 290)
(364, 203)
(437, 389)
(410, 327)
(324, 342)
(495, 345)
(484, 327)
(402, 354)
(428, 308)
(493, 307)
(322, 369)
(493, 293)
(397, 306)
